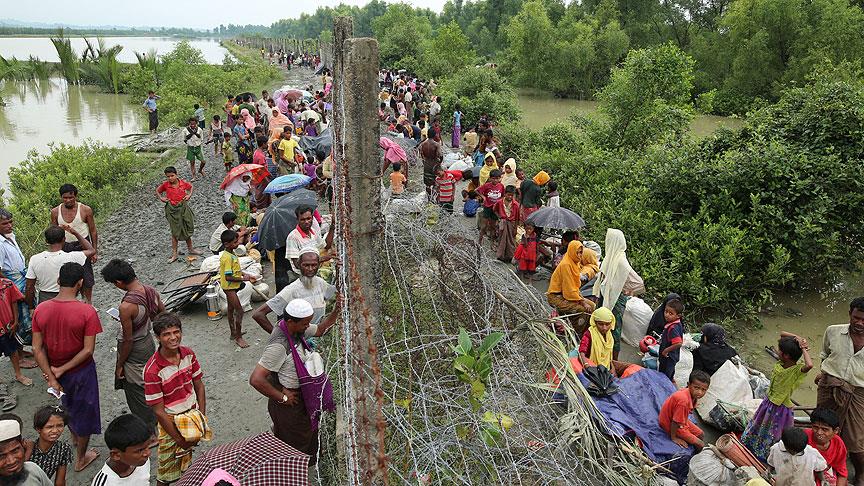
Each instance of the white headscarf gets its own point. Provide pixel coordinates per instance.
(239, 187)
(614, 270)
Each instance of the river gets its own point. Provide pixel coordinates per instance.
(540, 109)
(41, 47)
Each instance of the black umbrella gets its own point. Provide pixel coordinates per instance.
(279, 219)
(601, 382)
(252, 95)
(556, 218)
(321, 144)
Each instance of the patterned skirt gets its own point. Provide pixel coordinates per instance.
(765, 428)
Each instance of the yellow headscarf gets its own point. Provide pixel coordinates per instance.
(541, 178)
(601, 346)
(487, 169)
(566, 277)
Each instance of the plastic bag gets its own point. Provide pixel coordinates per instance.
(731, 384)
(684, 366)
(635, 320)
(706, 469)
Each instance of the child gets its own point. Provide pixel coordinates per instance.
(507, 211)
(457, 126)
(128, 438)
(232, 279)
(180, 218)
(227, 152)
(193, 137)
(526, 252)
(445, 188)
(774, 415)
(9, 345)
(674, 415)
(382, 112)
(597, 341)
(671, 339)
(552, 194)
(491, 192)
(199, 114)
(823, 436)
(216, 135)
(472, 204)
(397, 180)
(795, 463)
(49, 452)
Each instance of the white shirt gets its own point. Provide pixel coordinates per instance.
(11, 258)
(296, 243)
(434, 109)
(554, 202)
(44, 268)
(216, 237)
(194, 141)
(317, 295)
(107, 477)
(795, 470)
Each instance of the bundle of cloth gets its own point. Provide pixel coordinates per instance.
(250, 264)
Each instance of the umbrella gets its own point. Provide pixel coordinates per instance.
(251, 95)
(259, 173)
(287, 183)
(556, 218)
(322, 144)
(601, 383)
(279, 219)
(259, 460)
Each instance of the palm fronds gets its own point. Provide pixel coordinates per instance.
(17, 70)
(103, 67)
(70, 67)
(149, 62)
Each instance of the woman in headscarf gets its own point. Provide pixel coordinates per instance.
(713, 350)
(248, 120)
(393, 154)
(237, 197)
(508, 178)
(563, 293)
(278, 120)
(489, 164)
(598, 341)
(658, 322)
(531, 193)
(616, 280)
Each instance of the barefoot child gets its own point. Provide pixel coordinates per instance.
(674, 415)
(397, 180)
(774, 415)
(180, 218)
(216, 135)
(9, 345)
(193, 137)
(128, 438)
(227, 151)
(232, 279)
(795, 463)
(671, 339)
(49, 452)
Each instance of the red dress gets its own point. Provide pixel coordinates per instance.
(526, 254)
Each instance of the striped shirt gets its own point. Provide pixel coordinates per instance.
(171, 384)
(445, 187)
(140, 476)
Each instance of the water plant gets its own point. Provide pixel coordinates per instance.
(70, 67)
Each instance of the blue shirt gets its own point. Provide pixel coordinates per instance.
(672, 335)
(150, 103)
(11, 258)
(457, 117)
(470, 208)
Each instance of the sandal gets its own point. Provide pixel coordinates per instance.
(9, 402)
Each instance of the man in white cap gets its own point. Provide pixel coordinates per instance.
(291, 422)
(14, 471)
(309, 287)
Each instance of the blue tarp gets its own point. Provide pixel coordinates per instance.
(634, 410)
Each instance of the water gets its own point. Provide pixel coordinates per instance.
(541, 109)
(40, 112)
(41, 47)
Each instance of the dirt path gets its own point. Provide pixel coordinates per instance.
(139, 233)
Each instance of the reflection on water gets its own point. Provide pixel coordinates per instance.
(541, 109)
(40, 112)
(41, 47)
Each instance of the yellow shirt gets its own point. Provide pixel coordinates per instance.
(287, 147)
(229, 264)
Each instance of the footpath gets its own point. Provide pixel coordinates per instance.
(138, 233)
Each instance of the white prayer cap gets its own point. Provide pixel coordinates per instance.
(298, 309)
(9, 429)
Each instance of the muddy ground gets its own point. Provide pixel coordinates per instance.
(139, 233)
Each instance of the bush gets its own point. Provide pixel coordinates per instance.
(103, 175)
(478, 90)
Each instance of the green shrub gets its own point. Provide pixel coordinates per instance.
(103, 175)
(478, 90)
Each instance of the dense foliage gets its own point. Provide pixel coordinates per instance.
(725, 220)
(102, 174)
(478, 91)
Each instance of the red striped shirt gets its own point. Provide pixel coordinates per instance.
(170, 384)
(446, 187)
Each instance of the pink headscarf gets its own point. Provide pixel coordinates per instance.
(248, 121)
(393, 152)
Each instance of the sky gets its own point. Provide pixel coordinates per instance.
(174, 13)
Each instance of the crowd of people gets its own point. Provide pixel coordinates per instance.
(47, 302)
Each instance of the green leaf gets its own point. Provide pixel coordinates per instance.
(464, 340)
(464, 363)
(490, 341)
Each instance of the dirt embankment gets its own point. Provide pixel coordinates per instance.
(139, 233)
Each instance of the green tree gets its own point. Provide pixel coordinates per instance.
(400, 32)
(478, 90)
(448, 51)
(530, 35)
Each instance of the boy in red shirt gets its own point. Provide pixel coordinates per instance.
(64, 338)
(674, 415)
(491, 192)
(823, 436)
(181, 220)
(445, 188)
(9, 345)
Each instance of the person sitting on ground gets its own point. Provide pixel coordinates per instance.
(674, 416)
(306, 235)
(824, 436)
(229, 221)
(128, 438)
(471, 204)
(795, 463)
(713, 350)
(598, 341)
(44, 267)
(16, 471)
(564, 287)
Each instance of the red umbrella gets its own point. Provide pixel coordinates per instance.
(260, 460)
(258, 172)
